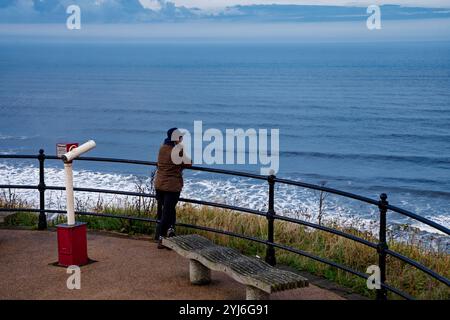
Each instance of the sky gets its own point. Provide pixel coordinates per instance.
(227, 18)
(141, 11)
(224, 3)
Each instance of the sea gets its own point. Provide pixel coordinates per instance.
(366, 118)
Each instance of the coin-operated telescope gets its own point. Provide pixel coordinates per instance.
(72, 239)
(68, 172)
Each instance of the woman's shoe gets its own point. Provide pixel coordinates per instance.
(160, 245)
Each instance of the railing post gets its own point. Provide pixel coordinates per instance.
(270, 251)
(382, 246)
(42, 225)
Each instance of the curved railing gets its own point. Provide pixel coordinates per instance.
(382, 204)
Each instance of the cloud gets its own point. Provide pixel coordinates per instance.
(54, 11)
(151, 4)
(141, 11)
(219, 4)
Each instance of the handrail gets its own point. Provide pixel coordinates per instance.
(211, 204)
(18, 156)
(153, 163)
(259, 177)
(382, 204)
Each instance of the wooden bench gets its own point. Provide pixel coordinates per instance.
(259, 277)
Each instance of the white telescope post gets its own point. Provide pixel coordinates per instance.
(68, 172)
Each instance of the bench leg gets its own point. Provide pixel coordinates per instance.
(198, 273)
(253, 293)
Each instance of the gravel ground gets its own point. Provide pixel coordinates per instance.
(125, 269)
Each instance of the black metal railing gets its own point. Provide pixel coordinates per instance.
(383, 206)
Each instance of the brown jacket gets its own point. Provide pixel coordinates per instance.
(169, 176)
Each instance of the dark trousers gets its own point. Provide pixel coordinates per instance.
(166, 213)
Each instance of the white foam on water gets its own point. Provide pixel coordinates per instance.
(8, 137)
(290, 201)
(8, 152)
(29, 175)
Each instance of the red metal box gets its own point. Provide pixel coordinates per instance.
(72, 244)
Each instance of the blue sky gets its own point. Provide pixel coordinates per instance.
(141, 11)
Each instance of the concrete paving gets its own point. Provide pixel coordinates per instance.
(125, 269)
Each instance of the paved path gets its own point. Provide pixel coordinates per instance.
(126, 269)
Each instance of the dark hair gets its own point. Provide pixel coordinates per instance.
(170, 132)
(168, 140)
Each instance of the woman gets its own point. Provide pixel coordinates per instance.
(168, 185)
